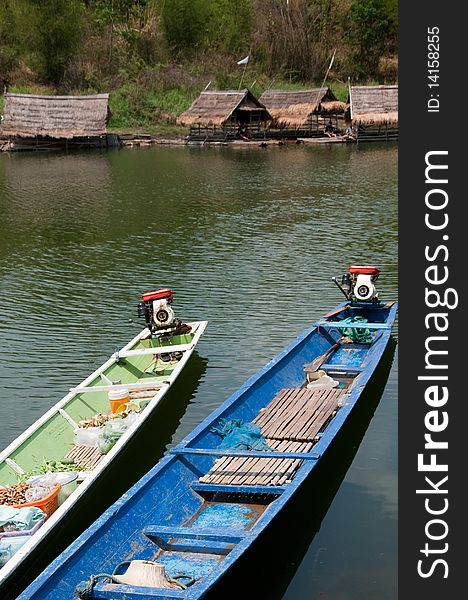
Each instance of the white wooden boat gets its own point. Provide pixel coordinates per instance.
(140, 373)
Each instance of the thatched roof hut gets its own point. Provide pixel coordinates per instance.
(373, 105)
(216, 108)
(292, 108)
(64, 117)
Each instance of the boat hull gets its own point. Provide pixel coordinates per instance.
(87, 499)
(183, 514)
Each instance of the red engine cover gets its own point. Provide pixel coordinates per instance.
(364, 270)
(163, 293)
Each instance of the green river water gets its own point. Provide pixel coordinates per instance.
(249, 240)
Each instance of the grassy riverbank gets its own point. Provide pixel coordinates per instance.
(139, 109)
(154, 57)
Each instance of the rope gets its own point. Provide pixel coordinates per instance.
(357, 335)
(182, 576)
(168, 577)
(85, 593)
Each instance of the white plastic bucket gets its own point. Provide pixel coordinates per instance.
(69, 482)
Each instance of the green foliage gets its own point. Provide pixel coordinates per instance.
(132, 105)
(59, 29)
(229, 25)
(183, 23)
(42, 34)
(8, 50)
(191, 25)
(374, 24)
(296, 39)
(155, 56)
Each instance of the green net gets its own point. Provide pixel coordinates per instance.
(359, 335)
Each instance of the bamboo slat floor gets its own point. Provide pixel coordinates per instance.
(86, 457)
(298, 414)
(290, 423)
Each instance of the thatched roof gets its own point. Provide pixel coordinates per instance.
(215, 107)
(293, 107)
(27, 115)
(373, 105)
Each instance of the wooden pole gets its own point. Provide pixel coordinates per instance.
(243, 73)
(325, 78)
(245, 67)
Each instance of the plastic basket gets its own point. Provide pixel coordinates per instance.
(48, 504)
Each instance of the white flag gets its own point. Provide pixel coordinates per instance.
(244, 61)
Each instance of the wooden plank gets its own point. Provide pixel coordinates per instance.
(228, 469)
(265, 413)
(312, 413)
(309, 426)
(273, 413)
(314, 425)
(277, 407)
(282, 419)
(14, 466)
(235, 472)
(275, 466)
(85, 456)
(67, 417)
(303, 415)
(260, 471)
(257, 466)
(136, 395)
(290, 424)
(337, 311)
(289, 474)
(238, 453)
(192, 533)
(340, 324)
(288, 470)
(243, 489)
(309, 402)
(155, 350)
(305, 402)
(139, 385)
(314, 366)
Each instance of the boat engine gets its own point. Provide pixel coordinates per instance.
(155, 308)
(359, 283)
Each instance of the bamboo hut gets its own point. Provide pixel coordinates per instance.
(31, 121)
(373, 111)
(304, 113)
(222, 114)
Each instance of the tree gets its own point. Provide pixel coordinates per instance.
(8, 49)
(183, 23)
(372, 31)
(54, 36)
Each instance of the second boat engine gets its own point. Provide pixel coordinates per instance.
(155, 308)
(359, 283)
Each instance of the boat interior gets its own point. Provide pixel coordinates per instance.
(140, 370)
(215, 504)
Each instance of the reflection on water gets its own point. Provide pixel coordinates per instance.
(248, 239)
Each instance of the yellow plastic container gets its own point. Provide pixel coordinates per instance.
(117, 398)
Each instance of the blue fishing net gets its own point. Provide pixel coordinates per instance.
(239, 435)
(359, 335)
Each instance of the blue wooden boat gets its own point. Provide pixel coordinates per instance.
(185, 523)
